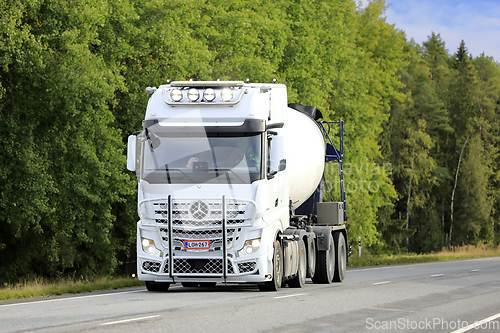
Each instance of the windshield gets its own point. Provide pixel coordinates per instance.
(200, 158)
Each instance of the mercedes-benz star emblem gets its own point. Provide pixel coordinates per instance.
(199, 210)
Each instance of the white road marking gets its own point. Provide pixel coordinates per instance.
(383, 282)
(479, 324)
(128, 320)
(475, 270)
(386, 309)
(436, 275)
(289, 296)
(71, 298)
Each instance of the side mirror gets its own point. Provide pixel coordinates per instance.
(277, 152)
(131, 152)
(277, 161)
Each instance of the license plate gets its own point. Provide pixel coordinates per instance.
(196, 244)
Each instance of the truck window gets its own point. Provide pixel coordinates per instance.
(198, 159)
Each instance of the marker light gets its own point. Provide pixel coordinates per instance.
(227, 94)
(193, 95)
(209, 94)
(176, 95)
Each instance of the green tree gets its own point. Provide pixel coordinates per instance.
(409, 141)
(62, 171)
(489, 115)
(471, 184)
(376, 84)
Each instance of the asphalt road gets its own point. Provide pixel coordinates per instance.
(454, 296)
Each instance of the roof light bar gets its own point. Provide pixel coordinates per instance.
(207, 84)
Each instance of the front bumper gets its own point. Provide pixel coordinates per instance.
(169, 222)
(204, 269)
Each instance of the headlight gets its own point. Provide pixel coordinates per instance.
(251, 246)
(176, 95)
(226, 94)
(209, 94)
(149, 247)
(193, 95)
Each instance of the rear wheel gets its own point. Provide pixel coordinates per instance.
(275, 283)
(325, 266)
(340, 258)
(300, 280)
(157, 286)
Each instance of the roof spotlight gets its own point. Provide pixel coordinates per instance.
(226, 94)
(176, 95)
(193, 95)
(209, 94)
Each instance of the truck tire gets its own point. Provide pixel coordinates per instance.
(311, 257)
(340, 257)
(325, 266)
(300, 279)
(275, 283)
(157, 286)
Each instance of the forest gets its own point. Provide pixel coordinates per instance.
(422, 128)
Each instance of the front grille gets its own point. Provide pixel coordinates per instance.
(151, 266)
(198, 219)
(214, 235)
(201, 266)
(203, 212)
(198, 266)
(247, 266)
(165, 267)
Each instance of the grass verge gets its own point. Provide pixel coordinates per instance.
(454, 253)
(37, 287)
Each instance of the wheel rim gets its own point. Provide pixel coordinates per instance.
(312, 259)
(303, 266)
(331, 261)
(342, 261)
(278, 266)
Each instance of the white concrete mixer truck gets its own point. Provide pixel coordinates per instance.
(230, 188)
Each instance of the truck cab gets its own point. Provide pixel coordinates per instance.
(213, 163)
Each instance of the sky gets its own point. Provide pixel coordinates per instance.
(477, 22)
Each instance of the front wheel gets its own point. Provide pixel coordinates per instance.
(275, 283)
